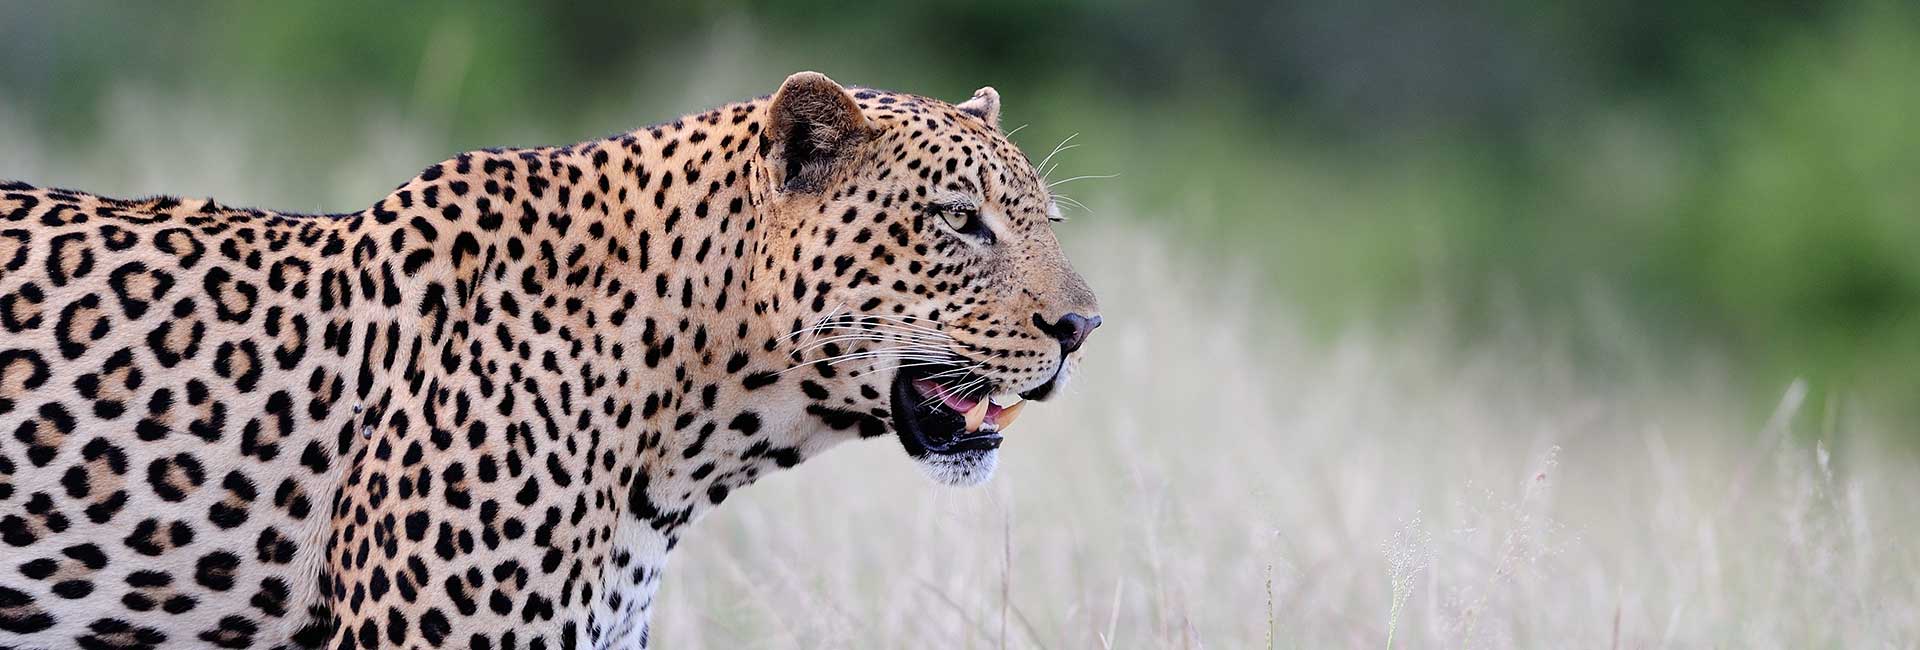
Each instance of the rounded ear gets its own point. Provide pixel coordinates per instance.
(812, 124)
(985, 105)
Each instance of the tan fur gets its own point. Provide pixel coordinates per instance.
(483, 410)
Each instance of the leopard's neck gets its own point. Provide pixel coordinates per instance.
(614, 300)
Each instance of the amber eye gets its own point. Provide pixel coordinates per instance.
(960, 220)
(963, 219)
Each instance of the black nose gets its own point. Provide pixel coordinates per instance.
(1071, 330)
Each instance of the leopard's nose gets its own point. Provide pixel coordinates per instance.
(1070, 330)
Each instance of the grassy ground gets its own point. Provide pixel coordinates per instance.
(1216, 481)
(1219, 479)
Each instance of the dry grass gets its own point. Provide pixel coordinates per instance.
(1216, 479)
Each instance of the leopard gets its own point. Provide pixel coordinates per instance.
(483, 411)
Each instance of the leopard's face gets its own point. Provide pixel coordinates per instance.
(936, 291)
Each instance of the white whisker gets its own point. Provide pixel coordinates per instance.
(1081, 178)
(857, 323)
(819, 343)
(1063, 146)
(901, 320)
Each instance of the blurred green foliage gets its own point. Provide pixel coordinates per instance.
(1733, 180)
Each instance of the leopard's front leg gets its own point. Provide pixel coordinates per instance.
(478, 531)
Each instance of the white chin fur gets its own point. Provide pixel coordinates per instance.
(964, 469)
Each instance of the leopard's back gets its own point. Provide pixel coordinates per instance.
(176, 396)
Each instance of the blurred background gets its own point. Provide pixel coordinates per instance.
(1410, 254)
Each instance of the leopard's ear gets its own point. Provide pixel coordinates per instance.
(812, 124)
(985, 105)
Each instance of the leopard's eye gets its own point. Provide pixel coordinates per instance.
(964, 220)
(959, 220)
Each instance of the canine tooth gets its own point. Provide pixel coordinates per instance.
(1008, 414)
(976, 415)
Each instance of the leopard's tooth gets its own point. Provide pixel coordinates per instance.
(976, 415)
(1008, 414)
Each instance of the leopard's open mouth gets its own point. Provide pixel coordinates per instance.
(934, 413)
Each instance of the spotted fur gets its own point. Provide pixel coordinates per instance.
(481, 412)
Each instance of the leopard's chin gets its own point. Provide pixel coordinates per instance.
(960, 469)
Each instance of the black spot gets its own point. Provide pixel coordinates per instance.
(434, 627)
(88, 555)
(759, 379)
(232, 632)
(20, 615)
(73, 589)
(272, 597)
(746, 422)
(215, 570)
(116, 634)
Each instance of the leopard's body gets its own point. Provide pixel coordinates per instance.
(481, 412)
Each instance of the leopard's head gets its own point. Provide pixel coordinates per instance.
(914, 242)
